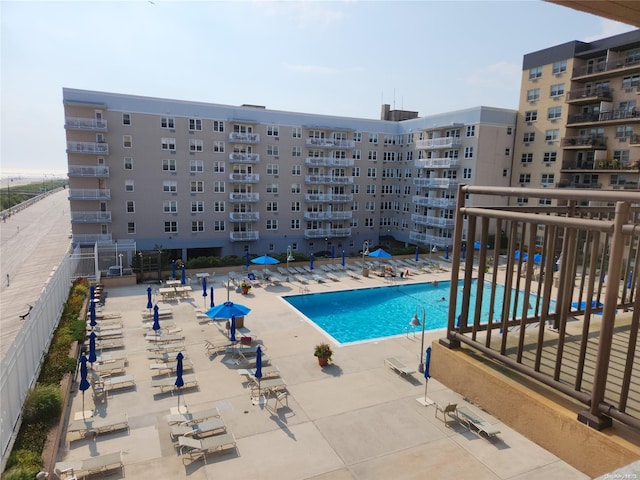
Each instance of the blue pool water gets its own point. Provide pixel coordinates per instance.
(370, 313)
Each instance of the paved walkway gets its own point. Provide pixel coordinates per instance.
(355, 419)
(32, 242)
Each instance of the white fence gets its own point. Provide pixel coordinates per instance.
(20, 365)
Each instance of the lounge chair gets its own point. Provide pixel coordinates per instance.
(109, 334)
(169, 367)
(109, 368)
(160, 347)
(111, 357)
(193, 417)
(214, 348)
(103, 386)
(399, 367)
(279, 401)
(475, 422)
(251, 277)
(98, 425)
(169, 384)
(267, 385)
(164, 357)
(157, 338)
(198, 430)
(267, 372)
(194, 447)
(448, 412)
(109, 344)
(90, 466)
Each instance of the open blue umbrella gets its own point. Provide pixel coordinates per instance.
(227, 310)
(149, 302)
(156, 320)
(343, 259)
(417, 253)
(173, 269)
(333, 251)
(183, 275)
(204, 291)
(84, 382)
(232, 329)
(179, 380)
(92, 348)
(311, 261)
(264, 260)
(211, 299)
(258, 373)
(92, 314)
(427, 376)
(380, 253)
(537, 258)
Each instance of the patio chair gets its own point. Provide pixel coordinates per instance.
(200, 447)
(65, 474)
(279, 401)
(448, 412)
(253, 280)
(475, 423)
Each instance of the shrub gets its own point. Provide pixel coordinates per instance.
(23, 464)
(43, 403)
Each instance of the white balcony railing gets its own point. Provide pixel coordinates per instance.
(328, 197)
(244, 216)
(434, 202)
(244, 197)
(77, 123)
(89, 194)
(437, 163)
(327, 232)
(329, 143)
(327, 180)
(328, 215)
(244, 158)
(433, 221)
(329, 162)
(430, 240)
(441, 142)
(436, 182)
(88, 171)
(90, 217)
(91, 238)
(244, 236)
(88, 147)
(244, 137)
(244, 177)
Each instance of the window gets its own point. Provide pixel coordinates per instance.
(272, 224)
(296, 170)
(368, 222)
(466, 173)
(218, 187)
(372, 155)
(126, 119)
(468, 152)
(528, 137)
(505, 172)
(218, 146)
(370, 206)
(197, 226)
(296, 152)
(531, 116)
(197, 207)
(357, 136)
(196, 166)
(471, 131)
(128, 163)
(559, 67)
(533, 94)
(131, 228)
(195, 124)
(167, 122)
(554, 113)
(524, 178)
(624, 131)
(535, 73)
(170, 186)
(355, 171)
(131, 206)
(509, 130)
(273, 131)
(547, 179)
(522, 200)
(630, 82)
(295, 224)
(128, 186)
(218, 126)
(526, 158)
(552, 135)
(168, 143)
(127, 141)
(169, 165)
(356, 155)
(272, 188)
(272, 150)
(371, 172)
(272, 206)
(549, 157)
(219, 206)
(373, 138)
(218, 167)
(557, 90)
(197, 186)
(371, 189)
(273, 169)
(171, 227)
(296, 132)
(295, 188)
(295, 206)
(170, 206)
(219, 225)
(196, 145)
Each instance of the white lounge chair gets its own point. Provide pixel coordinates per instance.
(474, 422)
(198, 430)
(169, 367)
(109, 368)
(169, 384)
(398, 367)
(90, 466)
(193, 417)
(194, 447)
(214, 348)
(98, 425)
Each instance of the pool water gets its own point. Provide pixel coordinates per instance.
(371, 313)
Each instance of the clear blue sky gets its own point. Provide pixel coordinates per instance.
(338, 58)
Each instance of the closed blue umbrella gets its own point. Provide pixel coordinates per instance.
(311, 261)
(179, 380)
(343, 259)
(417, 253)
(84, 382)
(92, 314)
(173, 269)
(227, 310)
(211, 299)
(156, 320)
(204, 291)
(92, 291)
(446, 252)
(264, 260)
(92, 348)
(232, 330)
(183, 275)
(149, 302)
(258, 373)
(463, 251)
(427, 376)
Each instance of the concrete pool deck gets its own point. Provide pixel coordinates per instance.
(355, 419)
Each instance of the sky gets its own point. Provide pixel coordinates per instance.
(343, 58)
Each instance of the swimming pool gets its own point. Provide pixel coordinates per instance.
(370, 313)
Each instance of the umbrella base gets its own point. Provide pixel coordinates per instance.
(260, 400)
(425, 401)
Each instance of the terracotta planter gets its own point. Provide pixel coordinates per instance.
(245, 291)
(322, 361)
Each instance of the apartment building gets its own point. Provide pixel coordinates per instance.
(578, 120)
(205, 179)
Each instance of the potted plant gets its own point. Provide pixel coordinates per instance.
(245, 287)
(324, 353)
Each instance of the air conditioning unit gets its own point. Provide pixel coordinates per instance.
(529, 123)
(628, 90)
(550, 142)
(525, 165)
(547, 164)
(526, 144)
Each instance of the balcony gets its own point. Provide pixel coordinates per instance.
(612, 68)
(244, 197)
(77, 123)
(244, 177)
(588, 95)
(94, 171)
(91, 238)
(244, 236)
(328, 215)
(88, 147)
(441, 142)
(90, 217)
(437, 163)
(89, 194)
(614, 117)
(568, 184)
(591, 165)
(329, 162)
(244, 137)
(432, 221)
(328, 197)
(430, 240)
(327, 232)
(327, 180)
(328, 143)
(244, 216)
(448, 183)
(596, 142)
(244, 158)
(434, 202)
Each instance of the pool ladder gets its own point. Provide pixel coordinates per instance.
(304, 289)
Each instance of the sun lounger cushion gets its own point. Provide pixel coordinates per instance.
(193, 417)
(198, 430)
(97, 425)
(196, 447)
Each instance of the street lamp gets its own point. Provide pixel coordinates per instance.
(290, 258)
(365, 251)
(141, 267)
(415, 321)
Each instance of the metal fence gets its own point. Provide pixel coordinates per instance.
(570, 309)
(20, 365)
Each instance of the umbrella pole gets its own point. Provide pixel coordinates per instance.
(426, 384)
(83, 404)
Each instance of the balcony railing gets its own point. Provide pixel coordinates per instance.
(435, 202)
(77, 123)
(582, 142)
(244, 197)
(329, 143)
(244, 137)
(329, 162)
(588, 95)
(91, 217)
(244, 236)
(604, 67)
(244, 158)
(328, 215)
(433, 221)
(327, 180)
(88, 147)
(89, 194)
(437, 163)
(244, 216)
(436, 182)
(327, 232)
(567, 184)
(441, 142)
(328, 197)
(91, 238)
(97, 171)
(430, 240)
(244, 177)
(614, 116)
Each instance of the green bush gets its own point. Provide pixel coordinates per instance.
(19, 473)
(23, 464)
(43, 403)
